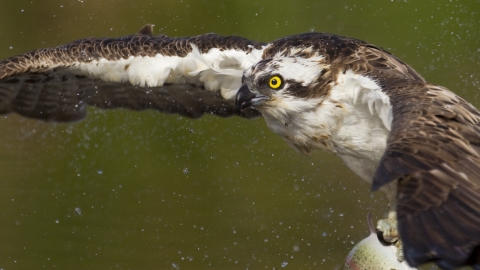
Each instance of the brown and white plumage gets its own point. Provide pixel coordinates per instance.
(418, 142)
(57, 83)
(434, 149)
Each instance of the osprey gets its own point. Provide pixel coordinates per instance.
(417, 142)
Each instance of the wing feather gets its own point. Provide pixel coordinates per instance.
(433, 152)
(136, 72)
(66, 99)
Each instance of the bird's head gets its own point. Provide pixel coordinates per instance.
(285, 81)
(289, 89)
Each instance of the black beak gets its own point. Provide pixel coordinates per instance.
(244, 97)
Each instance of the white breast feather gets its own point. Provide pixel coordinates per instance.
(352, 121)
(360, 140)
(217, 70)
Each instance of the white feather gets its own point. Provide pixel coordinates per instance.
(371, 95)
(299, 68)
(366, 119)
(352, 121)
(217, 70)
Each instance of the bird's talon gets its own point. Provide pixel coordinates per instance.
(387, 233)
(388, 230)
(399, 252)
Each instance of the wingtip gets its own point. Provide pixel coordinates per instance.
(386, 173)
(376, 185)
(377, 182)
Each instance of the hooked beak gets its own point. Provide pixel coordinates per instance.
(245, 98)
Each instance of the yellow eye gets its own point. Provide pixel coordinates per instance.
(275, 82)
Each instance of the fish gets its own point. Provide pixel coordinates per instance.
(372, 254)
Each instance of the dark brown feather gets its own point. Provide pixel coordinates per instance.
(87, 50)
(433, 150)
(64, 97)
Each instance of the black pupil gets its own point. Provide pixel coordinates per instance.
(274, 81)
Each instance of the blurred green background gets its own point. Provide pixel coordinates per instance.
(144, 190)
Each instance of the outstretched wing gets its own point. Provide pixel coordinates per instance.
(188, 76)
(434, 152)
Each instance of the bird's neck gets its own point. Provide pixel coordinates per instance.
(352, 121)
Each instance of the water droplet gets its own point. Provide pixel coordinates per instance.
(57, 221)
(78, 211)
(185, 170)
(99, 172)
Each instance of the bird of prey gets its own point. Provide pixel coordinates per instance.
(417, 142)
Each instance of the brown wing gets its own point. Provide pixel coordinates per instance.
(41, 84)
(64, 97)
(434, 151)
